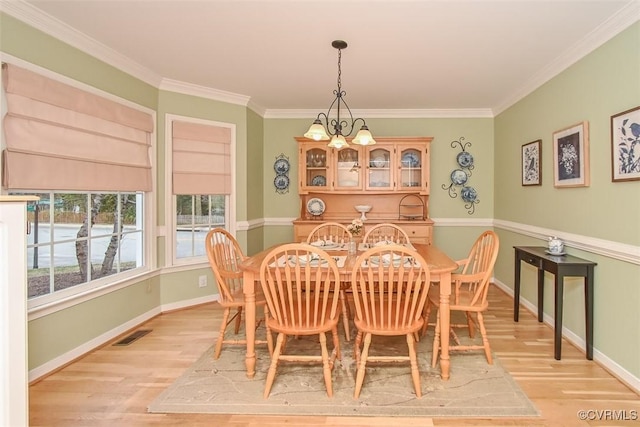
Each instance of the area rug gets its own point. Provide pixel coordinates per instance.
(475, 389)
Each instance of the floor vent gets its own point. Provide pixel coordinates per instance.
(134, 336)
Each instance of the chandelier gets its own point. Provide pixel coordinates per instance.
(339, 128)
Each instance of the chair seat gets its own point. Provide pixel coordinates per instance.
(390, 329)
(463, 302)
(300, 328)
(237, 299)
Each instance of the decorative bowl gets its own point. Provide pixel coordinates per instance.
(363, 209)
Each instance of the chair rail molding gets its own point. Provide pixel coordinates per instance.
(608, 248)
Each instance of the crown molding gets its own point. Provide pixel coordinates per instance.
(619, 22)
(387, 114)
(204, 92)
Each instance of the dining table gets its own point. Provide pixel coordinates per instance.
(440, 267)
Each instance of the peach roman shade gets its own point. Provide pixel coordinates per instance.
(201, 158)
(59, 137)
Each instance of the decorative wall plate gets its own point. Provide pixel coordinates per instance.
(281, 182)
(459, 177)
(468, 194)
(465, 159)
(410, 160)
(315, 206)
(281, 166)
(319, 181)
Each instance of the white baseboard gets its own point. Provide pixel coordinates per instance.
(618, 371)
(91, 345)
(188, 303)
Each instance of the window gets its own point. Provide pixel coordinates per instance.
(195, 216)
(81, 239)
(87, 155)
(200, 157)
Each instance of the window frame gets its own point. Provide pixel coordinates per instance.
(171, 258)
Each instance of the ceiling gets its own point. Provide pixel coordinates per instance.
(406, 56)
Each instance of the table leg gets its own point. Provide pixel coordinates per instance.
(445, 324)
(588, 306)
(248, 288)
(557, 341)
(540, 293)
(516, 289)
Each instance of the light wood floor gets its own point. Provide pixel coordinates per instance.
(113, 385)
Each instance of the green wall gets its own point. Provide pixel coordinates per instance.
(600, 85)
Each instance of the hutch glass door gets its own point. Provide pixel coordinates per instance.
(348, 170)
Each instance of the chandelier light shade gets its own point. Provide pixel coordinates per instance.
(330, 125)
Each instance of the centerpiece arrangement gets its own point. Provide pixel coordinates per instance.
(355, 228)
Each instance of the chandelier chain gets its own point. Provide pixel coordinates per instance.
(339, 70)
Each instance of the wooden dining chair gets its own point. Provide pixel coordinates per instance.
(469, 290)
(385, 232)
(329, 232)
(225, 255)
(338, 234)
(390, 286)
(301, 284)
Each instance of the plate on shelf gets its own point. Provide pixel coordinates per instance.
(465, 159)
(315, 206)
(410, 160)
(379, 184)
(319, 181)
(378, 161)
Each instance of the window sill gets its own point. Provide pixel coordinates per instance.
(36, 310)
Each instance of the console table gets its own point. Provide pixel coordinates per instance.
(561, 266)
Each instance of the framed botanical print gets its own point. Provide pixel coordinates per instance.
(532, 163)
(571, 156)
(625, 145)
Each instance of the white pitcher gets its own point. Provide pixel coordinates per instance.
(555, 245)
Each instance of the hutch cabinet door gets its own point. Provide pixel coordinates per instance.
(348, 169)
(314, 167)
(379, 163)
(412, 169)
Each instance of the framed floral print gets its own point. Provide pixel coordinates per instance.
(571, 156)
(531, 163)
(625, 145)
